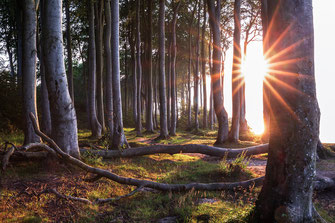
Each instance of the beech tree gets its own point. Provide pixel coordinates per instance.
(29, 69)
(220, 111)
(63, 114)
(162, 84)
(286, 195)
(94, 123)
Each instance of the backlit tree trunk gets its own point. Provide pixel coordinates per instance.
(173, 72)
(220, 111)
(204, 84)
(286, 195)
(236, 75)
(94, 123)
(162, 84)
(29, 69)
(63, 114)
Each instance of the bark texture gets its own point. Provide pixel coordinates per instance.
(94, 123)
(220, 111)
(119, 138)
(29, 69)
(287, 192)
(236, 75)
(63, 114)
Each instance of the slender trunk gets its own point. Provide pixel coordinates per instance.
(162, 84)
(134, 73)
(29, 69)
(204, 84)
(139, 73)
(243, 122)
(69, 50)
(99, 63)
(149, 121)
(286, 195)
(95, 125)
(119, 138)
(63, 114)
(173, 73)
(217, 88)
(108, 62)
(236, 75)
(10, 57)
(126, 73)
(266, 106)
(189, 111)
(196, 76)
(211, 106)
(169, 84)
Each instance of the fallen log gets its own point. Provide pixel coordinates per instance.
(175, 149)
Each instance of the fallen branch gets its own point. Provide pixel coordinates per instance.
(174, 149)
(143, 183)
(322, 183)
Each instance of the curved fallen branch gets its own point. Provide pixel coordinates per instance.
(174, 149)
(143, 183)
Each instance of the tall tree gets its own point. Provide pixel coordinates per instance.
(109, 75)
(29, 69)
(196, 74)
(94, 123)
(173, 71)
(203, 65)
(139, 71)
(220, 111)
(162, 85)
(119, 138)
(99, 21)
(69, 49)
(63, 114)
(236, 74)
(149, 118)
(287, 190)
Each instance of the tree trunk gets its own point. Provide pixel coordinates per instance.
(134, 72)
(204, 84)
(94, 123)
(69, 50)
(189, 106)
(99, 63)
(287, 192)
(196, 76)
(173, 72)
(211, 105)
(149, 121)
(162, 85)
(29, 69)
(217, 88)
(63, 114)
(109, 78)
(236, 75)
(119, 138)
(266, 106)
(243, 121)
(168, 104)
(139, 73)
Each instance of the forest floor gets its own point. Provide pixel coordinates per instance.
(21, 183)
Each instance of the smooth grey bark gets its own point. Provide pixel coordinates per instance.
(69, 50)
(119, 138)
(63, 114)
(211, 104)
(108, 62)
(196, 75)
(173, 71)
(162, 85)
(203, 65)
(29, 56)
(139, 71)
(45, 104)
(149, 117)
(126, 74)
(99, 63)
(96, 128)
(236, 75)
(217, 88)
(287, 192)
(134, 71)
(168, 104)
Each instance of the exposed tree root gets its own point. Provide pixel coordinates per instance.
(174, 149)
